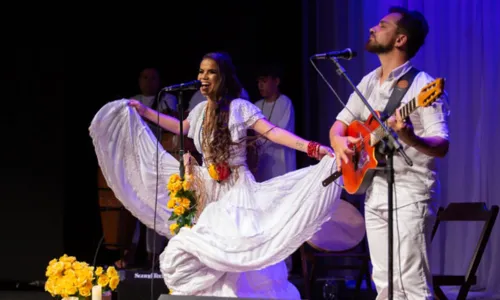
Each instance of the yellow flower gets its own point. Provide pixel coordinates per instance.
(70, 273)
(82, 280)
(103, 280)
(85, 291)
(111, 272)
(113, 282)
(186, 185)
(66, 258)
(50, 285)
(99, 271)
(174, 178)
(177, 186)
(213, 172)
(179, 210)
(185, 202)
(55, 269)
(77, 265)
(171, 203)
(173, 227)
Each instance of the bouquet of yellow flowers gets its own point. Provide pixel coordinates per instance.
(67, 277)
(182, 201)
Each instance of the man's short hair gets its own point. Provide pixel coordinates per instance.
(414, 25)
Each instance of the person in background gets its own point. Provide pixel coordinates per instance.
(150, 84)
(274, 159)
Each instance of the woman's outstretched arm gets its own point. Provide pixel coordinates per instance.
(286, 138)
(166, 122)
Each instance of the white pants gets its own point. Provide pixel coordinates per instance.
(412, 278)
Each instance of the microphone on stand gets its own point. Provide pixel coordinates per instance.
(347, 53)
(191, 85)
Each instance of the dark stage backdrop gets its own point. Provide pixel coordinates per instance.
(49, 190)
(32, 155)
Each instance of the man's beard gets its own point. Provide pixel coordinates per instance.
(373, 46)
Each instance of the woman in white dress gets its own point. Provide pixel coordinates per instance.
(246, 229)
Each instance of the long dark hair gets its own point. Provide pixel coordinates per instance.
(227, 89)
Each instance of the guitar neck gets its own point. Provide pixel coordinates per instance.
(408, 108)
(405, 111)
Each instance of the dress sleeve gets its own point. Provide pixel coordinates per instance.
(194, 117)
(243, 115)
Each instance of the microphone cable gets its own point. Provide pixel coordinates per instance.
(156, 106)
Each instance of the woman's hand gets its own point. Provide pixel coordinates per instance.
(323, 151)
(141, 108)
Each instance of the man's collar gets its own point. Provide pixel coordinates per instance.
(397, 72)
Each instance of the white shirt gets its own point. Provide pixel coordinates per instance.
(167, 100)
(276, 159)
(412, 184)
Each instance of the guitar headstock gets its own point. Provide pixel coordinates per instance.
(430, 92)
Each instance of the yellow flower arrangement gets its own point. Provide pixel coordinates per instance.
(182, 202)
(67, 277)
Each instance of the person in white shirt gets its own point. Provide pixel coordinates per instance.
(150, 84)
(424, 137)
(274, 159)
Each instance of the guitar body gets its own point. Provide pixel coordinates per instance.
(359, 172)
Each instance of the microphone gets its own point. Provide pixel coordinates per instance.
(191, 85)
(347, 53)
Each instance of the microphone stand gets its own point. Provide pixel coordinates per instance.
(389, 147)
(180, 108)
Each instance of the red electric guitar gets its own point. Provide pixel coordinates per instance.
(366, 160)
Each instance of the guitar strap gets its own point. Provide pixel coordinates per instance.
(402, 86)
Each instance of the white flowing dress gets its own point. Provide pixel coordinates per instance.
(247, 229)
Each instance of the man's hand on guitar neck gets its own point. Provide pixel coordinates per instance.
(436, 146)
(404, 128)
(340, 143)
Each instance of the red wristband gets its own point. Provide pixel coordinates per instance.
(313, 149)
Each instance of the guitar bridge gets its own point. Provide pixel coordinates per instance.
(355, 157)
(360, 158)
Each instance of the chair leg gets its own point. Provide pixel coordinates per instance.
(368, 277)
(305, 273)
(439, 293)
(363, 271)
(464, 290)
